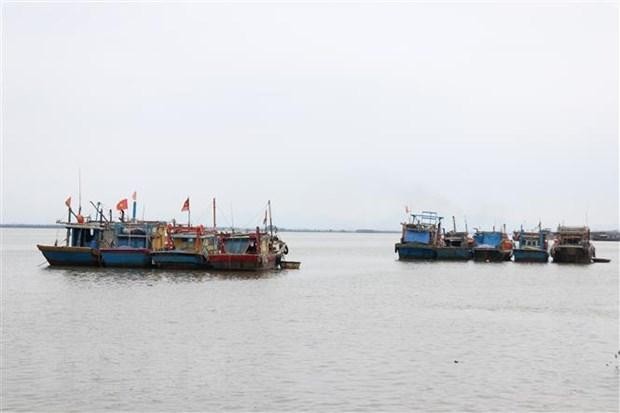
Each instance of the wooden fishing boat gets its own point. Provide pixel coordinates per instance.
(492, 246)
(532, 246)
(83, 241)
(132, 244)
(186, 247)
(454, 245)
(254, 251)
(572, 244)
(419, 237)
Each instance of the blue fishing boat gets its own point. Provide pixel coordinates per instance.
(532, 246)
(84, 238)
(81, 247)
(419, 237)
(492, 246)
(186, 248)
(132, 244)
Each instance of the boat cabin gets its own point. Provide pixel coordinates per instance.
(422, 228)
(89, 235)
(572, 235)
(491, 239)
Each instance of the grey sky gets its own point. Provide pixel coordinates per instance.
(341, 114)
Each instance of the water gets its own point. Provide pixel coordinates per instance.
(354, 329)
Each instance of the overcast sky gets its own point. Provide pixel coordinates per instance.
(341, 114)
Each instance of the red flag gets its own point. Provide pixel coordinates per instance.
(134, 196)
(265, 219)
(122, 205)
(68, 202)
(185, 205)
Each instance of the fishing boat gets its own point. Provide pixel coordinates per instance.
(81, 245)
(492, 246)
(419, 237)
(132, 244)
(83, 240)
(532, 246)
(186, 247)
(253, 251)
(454, 245)
(572, 244)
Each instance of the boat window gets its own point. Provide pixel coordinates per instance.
(236, 245)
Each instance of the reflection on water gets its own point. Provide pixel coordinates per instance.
(133, 275)
(353, 329)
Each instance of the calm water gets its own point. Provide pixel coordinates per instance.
(353, 329)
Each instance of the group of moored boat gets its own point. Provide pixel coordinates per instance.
(143, 244)
(424, 238)
(159, 244)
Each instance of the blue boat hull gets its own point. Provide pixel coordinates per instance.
(415, 252)
(70, 256)
(530, 255)
(179, 260)
(126, 257)
(453, 253)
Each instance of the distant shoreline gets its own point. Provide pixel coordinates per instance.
(612, 235)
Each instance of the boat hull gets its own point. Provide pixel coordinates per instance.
(491, 255)
(453, 253)
(407, 252)
(530, 255)
(179, 260)
(70, 256)
(126, 257)
(243, 262)
(572, 254)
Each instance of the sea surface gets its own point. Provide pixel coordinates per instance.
(353, 330)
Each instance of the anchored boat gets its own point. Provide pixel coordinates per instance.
(84, 238)
(454, 245)
(186, 247)
(572, 244)
(254, 251)
(419, 237)
(492, 246)
(532, 246)
(132, 244)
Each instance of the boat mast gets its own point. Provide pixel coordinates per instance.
(453, 223)
(214, 226)
(270, 221)
(79, 191)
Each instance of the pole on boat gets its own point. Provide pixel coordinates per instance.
(270, 221)
(100, 211)
(453, 223)
(133, 215)
(68, 203)
(466, 228)
(214, 226)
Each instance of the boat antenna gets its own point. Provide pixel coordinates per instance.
(214, 226)
(466, 229)
(79, 191)
(270, 221)
(232, 219)
(453, 223)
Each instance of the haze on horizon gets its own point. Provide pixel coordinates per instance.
(340, 114)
